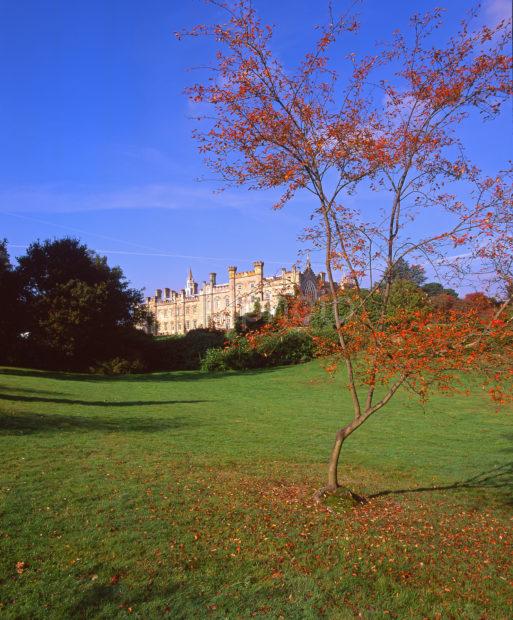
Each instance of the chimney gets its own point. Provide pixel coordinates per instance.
(232, 271)
(167, 293)
(213, 279)
(158, 293)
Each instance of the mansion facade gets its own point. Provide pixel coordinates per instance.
(218, 305)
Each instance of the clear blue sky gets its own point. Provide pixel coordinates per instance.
(96, 133)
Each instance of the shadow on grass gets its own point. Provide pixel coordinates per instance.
(158, 376)
(93, 599)
(94, 403)
(25, 423)
(25, 390)
(500, 477)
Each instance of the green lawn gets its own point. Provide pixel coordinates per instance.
(189, 495)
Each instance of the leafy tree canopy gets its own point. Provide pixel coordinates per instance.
(10, 307)
(435, 288)
(402, 270)
(81, 310)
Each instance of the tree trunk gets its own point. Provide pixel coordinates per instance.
(333, 484)
(342, 435)
(333, 463)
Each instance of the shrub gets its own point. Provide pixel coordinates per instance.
(267, 349)
(405, 295)
(292, 347)
(117, 366)
(252, 321)
(239, 355)
(183, 352)
(214, 360)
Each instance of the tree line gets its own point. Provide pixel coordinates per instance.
(64, 308)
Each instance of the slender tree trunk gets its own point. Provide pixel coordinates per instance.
(333, 483)
(342, 435)
(333, 463)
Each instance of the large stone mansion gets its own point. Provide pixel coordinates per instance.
(218, 305)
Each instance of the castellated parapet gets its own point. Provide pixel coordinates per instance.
(218, 305)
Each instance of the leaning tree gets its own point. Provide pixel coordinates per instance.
(388, 123)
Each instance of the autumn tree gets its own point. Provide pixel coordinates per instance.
(389, 121)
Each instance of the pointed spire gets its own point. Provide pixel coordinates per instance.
(308, 263)
(191, 288)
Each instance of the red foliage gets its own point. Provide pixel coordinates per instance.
(270, 127)
(481, 304)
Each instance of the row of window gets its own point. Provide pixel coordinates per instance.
(217, 305)
(170, 327)
(167, 327)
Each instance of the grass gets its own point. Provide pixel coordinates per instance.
(189, 495)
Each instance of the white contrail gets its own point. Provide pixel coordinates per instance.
(78, 230)
(185, 256)
(154, 251)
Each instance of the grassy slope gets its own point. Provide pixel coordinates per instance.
(189, 494)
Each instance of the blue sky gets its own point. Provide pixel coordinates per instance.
(96, 133)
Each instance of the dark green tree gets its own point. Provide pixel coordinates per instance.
(252, 321)
(281, 306)
(81, 311)
(402, 270)
(435, 288)
(323, 318)
(257, 307)
(405, 295)
(10, 308)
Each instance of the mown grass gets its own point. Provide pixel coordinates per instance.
(189, 495)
